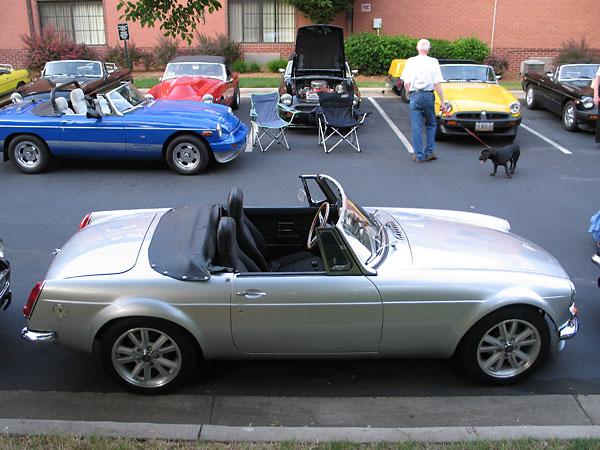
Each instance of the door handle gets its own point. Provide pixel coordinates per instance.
(68, 122)
(252, 293)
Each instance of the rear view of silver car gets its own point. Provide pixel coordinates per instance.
(154, 292)
(5, 292)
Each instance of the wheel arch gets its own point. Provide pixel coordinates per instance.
(144, 308)
(185, 133)
(11, 137)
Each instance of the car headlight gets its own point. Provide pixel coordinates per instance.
(286, 99)
(355, 101)
(339, 88)
(448, 105)
(515, 107)
(587, 102)
(15, 97)
(219, 129)
(207, 98)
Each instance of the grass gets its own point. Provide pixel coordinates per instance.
(272, 82)
(97, 443)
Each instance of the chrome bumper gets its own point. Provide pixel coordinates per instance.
(569, 329)
(37, 336)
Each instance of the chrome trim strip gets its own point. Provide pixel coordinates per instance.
(61, 125)
(37, 336)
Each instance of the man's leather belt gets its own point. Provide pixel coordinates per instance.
(422, 91)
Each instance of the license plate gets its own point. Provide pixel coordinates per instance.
(484, 126)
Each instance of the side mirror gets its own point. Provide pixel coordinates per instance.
(93, 114)
(150, 96)
(301, 195)
(354, 72)
(498, 77)
(281, 70)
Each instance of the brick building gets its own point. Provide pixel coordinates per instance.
(516, 30)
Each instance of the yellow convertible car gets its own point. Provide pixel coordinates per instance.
(477, 103)
(11, 79)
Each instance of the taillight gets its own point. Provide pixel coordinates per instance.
(85, 221)
(33, 296)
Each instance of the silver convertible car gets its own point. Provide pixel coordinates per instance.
(154, 292)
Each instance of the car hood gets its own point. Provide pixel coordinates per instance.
(320, 47)
(173, 111)
(477, 97)
(185, 88)
(107, 247)
(451, 240)
(579, 88)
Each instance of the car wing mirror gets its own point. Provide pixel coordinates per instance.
(230, 80)
(150, 96)
(498, 77)
(93, 114)
(354, 72)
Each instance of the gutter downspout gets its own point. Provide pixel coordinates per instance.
(494, 24)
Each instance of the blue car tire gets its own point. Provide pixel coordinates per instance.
(29, 153)
(187, 155)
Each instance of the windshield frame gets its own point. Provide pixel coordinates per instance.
(362, 232)
(562, 70)
(489, 71)
(141, 100)
(51, 65)
(223, 76)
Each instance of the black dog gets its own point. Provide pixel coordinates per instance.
(501, 157)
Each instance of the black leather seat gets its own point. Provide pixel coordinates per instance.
(253, 244)
(228, 250)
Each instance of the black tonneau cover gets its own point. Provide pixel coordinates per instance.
(184, 243)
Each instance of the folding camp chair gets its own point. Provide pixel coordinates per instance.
(338, 119)
(265, 120)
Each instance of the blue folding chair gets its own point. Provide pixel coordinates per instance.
(265, 120)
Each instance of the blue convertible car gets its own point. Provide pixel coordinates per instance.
(118, 123)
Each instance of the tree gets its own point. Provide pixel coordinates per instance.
(178, 18)
(321, 11)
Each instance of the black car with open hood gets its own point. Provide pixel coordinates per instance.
(318, 64)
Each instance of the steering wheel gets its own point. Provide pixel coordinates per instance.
(312, 238)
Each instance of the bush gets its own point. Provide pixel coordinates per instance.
(118, 55)
(165, 50)
(240, 66)
(371, 54)
(498, 64)
(440, 49)
(51, 45)
(575, 52)
(276, 64)
(470, 48)
(222, 45)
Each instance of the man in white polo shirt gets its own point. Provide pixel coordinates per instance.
(421, 76)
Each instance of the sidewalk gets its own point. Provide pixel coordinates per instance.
(309, 419)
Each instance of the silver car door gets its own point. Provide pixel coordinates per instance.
(305, 313)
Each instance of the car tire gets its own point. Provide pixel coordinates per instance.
(493, 351)
(530, 98)
(187, 155)
(128, 355)
(396, 90)
(404, 95)
(569, 117)
(235, 104)
(29, 153)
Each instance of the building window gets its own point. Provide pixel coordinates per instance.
(261, 21)
(83, 21)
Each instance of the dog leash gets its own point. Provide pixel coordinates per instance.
(468, 131)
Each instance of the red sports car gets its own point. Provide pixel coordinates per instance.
(199, 78)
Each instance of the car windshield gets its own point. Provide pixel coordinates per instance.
(468, 73)
(92, 69)
(196, 69)
(126, 97)
(574, 72)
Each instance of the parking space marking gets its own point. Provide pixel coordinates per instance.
(549, 141)
(393, 126)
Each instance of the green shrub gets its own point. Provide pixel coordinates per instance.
(575, 52)
(222, 45)
(498, 64)
(165, 50)
(240, 66)
(254, 67)
(371, 54)
(51, 45)
(440, 49)
(470, 48)
(118, 55)
(276, 64)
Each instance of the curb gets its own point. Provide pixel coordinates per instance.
(219, 433)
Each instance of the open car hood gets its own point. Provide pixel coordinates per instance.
(320, 48)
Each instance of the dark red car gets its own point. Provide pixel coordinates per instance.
(199, 78)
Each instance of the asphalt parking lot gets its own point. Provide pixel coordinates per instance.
(549, 201)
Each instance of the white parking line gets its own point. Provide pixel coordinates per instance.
(393, 126)
(549, 141)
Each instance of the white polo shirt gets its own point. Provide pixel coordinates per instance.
(422, 72)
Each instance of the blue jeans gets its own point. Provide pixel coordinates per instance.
(422, 104)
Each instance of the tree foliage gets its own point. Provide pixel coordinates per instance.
(321, 11)
(178, 18)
